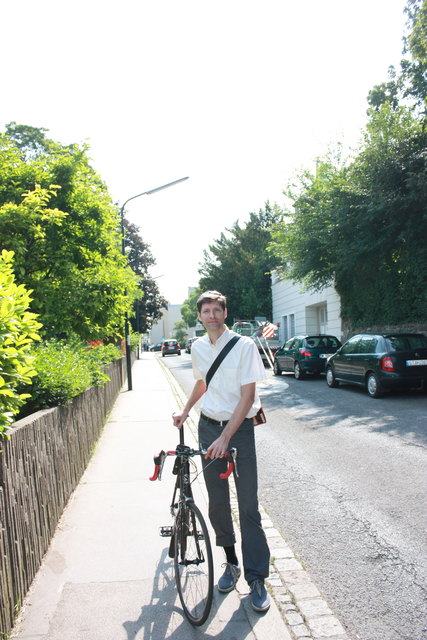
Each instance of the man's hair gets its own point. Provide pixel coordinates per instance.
(211, 296)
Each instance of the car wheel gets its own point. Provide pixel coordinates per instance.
(179, 353)
(330, 378)
(373, 386)
(276, 369)
(298, 372)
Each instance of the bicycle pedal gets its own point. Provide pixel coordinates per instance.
(166, 532)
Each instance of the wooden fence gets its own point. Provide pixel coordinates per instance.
(40, 466)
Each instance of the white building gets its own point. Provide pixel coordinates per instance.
(298, 311)
(164, 328)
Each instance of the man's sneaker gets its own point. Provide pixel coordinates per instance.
(260, 599)
(229, 578)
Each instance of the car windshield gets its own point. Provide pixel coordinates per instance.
(406, 343)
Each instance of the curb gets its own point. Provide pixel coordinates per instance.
(306, 614)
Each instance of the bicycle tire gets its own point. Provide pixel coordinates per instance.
(193, 564)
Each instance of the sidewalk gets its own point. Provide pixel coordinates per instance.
(107, 575)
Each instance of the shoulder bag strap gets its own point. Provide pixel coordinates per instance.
(220, 357)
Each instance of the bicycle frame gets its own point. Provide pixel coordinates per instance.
(182, 470)
(190, 545)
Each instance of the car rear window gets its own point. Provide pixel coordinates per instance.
(322, 341)
(406, 343)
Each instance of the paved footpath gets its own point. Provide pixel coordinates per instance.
(107, 574)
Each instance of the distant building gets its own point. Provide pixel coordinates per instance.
(297, 311)
(164, 328)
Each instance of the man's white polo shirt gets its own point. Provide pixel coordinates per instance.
(242, 365)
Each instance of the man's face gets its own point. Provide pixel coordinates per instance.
(212, 316)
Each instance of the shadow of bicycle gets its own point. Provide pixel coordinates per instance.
(162, 618)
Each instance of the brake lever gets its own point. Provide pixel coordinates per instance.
(159, 461)
(232, 464)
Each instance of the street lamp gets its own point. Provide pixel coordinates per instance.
(122, 210)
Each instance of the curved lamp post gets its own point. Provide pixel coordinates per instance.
(122, 210)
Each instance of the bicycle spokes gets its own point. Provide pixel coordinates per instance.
(193, 564)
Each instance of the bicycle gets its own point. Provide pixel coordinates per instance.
(190, 545)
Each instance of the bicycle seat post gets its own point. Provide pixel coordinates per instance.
(181, 435)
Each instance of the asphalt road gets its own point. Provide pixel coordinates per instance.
(343, 477)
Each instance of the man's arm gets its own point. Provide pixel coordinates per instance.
(220, 445)
(198, 390)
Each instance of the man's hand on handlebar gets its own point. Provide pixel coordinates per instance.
(179, 419)
(218, 448)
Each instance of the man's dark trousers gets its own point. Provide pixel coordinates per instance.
(255, 551)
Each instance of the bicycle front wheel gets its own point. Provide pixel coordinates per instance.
(193, 564)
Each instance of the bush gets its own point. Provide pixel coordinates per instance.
(66, 369)
(135, 340)
(18, 331)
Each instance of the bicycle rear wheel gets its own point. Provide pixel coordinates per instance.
(193, 564)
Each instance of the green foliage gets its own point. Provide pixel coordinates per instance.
(189, 307)
(57, 216)
(135, 340)
(66, 369)
(18, 331)
(149, 305)
(414, 67)
(361, 225)
(180, 332)
(238, 265)
(410, 86)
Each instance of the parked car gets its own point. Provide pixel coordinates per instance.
(156, 347)
(305, 355)
(380, 362)
(189, 343)
(266, 345)
(169, 347)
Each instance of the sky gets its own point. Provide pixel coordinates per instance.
(238, 95)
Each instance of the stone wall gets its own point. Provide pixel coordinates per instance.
(40, 466)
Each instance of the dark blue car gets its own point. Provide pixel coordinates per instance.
(305, 355)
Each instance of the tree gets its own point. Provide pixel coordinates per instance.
(180, 332)
(31, 141)
(189, 308)
(238, 265)
(18, 331)
(414, 67)
(148, 307)
(58, 218)
(410, 86)
(358, 224)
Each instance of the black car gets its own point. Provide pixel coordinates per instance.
(380, 362)
(305, 355)
(170, 347)
(156, 347)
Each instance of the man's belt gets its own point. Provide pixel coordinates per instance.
(217, 423)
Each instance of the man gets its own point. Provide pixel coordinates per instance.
(227, 410)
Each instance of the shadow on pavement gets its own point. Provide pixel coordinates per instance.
(163, 617)
(348, 406)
